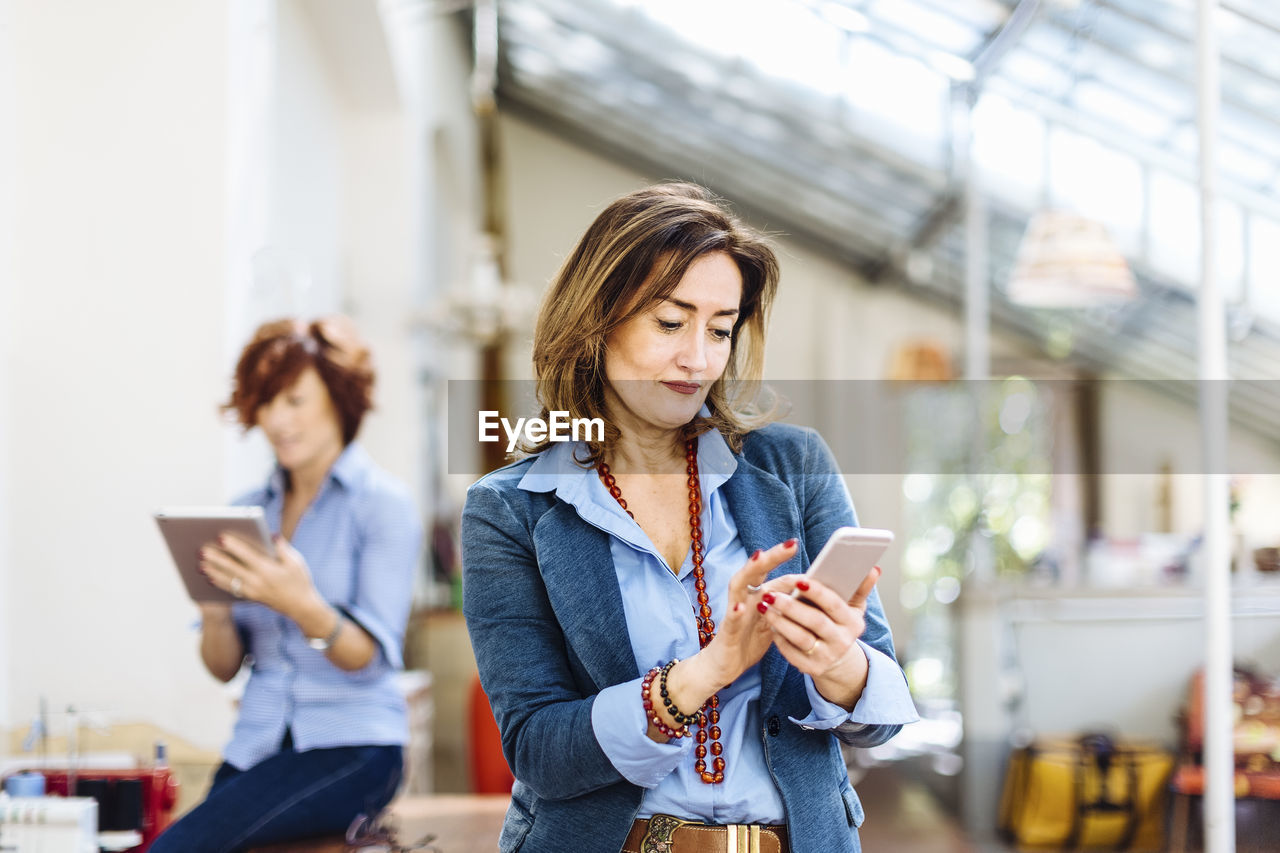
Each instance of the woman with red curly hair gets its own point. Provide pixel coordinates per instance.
(322, 723)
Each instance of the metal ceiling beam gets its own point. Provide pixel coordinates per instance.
(947, 208)
(1188, 80)
(1006, 38)
(1062, 114)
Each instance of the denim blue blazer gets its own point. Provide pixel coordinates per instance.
(545, 615)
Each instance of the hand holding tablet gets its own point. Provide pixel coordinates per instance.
(187, 529)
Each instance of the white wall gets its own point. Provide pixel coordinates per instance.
(1143, 429)
(1131, 658)
(113, 350)
(8, 221)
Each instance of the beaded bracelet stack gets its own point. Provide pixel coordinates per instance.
(646, 689)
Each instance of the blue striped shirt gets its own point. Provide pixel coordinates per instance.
(361, 538)
(660, 623)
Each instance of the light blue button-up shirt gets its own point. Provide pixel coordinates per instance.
(361, 538)
(661, 626)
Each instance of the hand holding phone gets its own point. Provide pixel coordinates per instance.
(849, 554)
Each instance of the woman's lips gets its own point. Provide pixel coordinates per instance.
(683, 387)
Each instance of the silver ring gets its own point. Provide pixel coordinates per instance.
(236, 586)
(754, 588)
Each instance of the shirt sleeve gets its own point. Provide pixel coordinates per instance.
(619, 723)
(391, 540)
(884, 701)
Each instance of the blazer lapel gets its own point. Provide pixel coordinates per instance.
(766, 514)
(577, 568)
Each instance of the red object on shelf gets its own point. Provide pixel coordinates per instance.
(159, 795)
(489, 771)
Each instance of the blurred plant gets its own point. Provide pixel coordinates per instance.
(978, 497)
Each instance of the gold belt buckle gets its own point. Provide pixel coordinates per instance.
(744, 838)
(741, 838)
(657, 836)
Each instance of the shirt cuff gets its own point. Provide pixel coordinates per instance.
(621, 729)
(884, 701)
(385, 639)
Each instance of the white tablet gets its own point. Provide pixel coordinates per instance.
(187, 529)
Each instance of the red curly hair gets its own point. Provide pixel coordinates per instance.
(281, 349)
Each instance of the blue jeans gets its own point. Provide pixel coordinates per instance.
(289, 796)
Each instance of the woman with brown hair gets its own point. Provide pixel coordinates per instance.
(322, 722)
(656, 686)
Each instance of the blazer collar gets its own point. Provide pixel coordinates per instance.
(577, 568)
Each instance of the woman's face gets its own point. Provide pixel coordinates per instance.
(661, 364)
(302, 423)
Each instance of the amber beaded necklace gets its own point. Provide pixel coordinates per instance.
(709, 715)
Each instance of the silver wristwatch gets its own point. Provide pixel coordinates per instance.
(323, 644)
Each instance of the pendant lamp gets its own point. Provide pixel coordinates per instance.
(1069, 261)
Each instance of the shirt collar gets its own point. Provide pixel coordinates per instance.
(557, 469)
(345, 471)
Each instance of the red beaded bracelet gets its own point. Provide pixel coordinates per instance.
(652, 713)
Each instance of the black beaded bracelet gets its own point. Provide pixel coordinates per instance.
(681, 719)
(651, 712)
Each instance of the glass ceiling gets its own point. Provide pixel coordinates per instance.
(837, 119)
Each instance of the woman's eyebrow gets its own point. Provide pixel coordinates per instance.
(688, 306)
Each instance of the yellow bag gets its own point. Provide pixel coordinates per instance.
(1086, 793)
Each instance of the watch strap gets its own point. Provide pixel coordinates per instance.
(323, 644)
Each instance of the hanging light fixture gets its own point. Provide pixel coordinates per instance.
(1069, 261)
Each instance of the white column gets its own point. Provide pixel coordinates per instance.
(410, 28)
(1219, 799)
(252, 39)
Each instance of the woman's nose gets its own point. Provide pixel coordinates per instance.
(693, 354)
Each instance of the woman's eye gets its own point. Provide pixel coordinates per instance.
(669, 325)
(295, 400)
(722, 334)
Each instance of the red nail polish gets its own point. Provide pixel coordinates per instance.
(802, 585)
(768, 598)
(790, 543)
(762, 607)
(756, 555)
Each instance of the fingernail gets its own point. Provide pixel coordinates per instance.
(802, 585)
(762, 607)
(790, 543)
(756, 555)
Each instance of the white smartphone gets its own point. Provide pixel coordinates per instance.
(849, 554)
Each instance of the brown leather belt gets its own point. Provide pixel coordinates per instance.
(666, 834)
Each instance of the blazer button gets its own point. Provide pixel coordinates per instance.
(774, 727)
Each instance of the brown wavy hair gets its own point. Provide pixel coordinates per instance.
(634, 254)
(281, 349)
